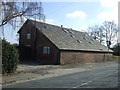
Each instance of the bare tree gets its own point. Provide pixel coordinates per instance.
(97, 33)
(105, 33)
(111, 30)
(11, 10)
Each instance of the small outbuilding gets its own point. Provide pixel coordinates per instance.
(51, 44)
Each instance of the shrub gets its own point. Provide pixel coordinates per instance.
(10, 57)
(117, 50)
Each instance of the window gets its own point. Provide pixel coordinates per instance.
(45, 27)
(84, 38)
(91, 43)
(79, 41)
(46, 50)
(92, 39)
(85, 35)
(27, 45)
(72, 36)
(70, 31)
(28, 36)
(65, 30)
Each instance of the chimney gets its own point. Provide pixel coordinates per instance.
(61, 26)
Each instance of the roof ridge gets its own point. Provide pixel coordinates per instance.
(56, 26)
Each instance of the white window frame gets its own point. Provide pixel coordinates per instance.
(46, 50)
(28, 35)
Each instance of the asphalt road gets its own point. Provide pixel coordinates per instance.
(105, 77)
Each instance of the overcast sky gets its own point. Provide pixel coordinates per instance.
(76, 15)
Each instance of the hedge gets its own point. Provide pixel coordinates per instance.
(10, 57)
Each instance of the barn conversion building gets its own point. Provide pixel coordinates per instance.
(51, 44)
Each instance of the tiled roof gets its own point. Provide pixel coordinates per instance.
(68, 39)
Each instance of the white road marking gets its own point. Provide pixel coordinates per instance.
(83, 84)
(111, 74)
(92, 81)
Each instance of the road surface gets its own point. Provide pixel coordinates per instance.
(105, 77)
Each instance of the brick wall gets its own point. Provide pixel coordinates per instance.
(53, 57)
(24, 42)
(69, 57)
(36, 44)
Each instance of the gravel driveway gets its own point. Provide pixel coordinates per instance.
(32, 72)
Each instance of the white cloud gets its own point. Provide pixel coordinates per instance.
(109, 3)
(84, 28)
(108, 16)
(77, 14)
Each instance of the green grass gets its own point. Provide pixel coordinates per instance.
(116, 58)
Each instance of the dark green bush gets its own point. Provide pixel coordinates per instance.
(117, 50)
(10, 58)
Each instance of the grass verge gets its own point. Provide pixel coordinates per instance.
(116, 58)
